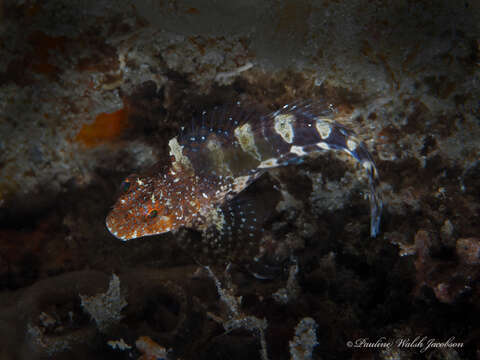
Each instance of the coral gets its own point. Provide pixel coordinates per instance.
(158, 302)
(468, 250)
(50, 345)
(291, 291)
(49, 317)
(449, 279)
(305, 339)
(105, 308)
(237, 319)
(119, 344)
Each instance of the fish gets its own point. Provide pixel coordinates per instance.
(225, 151)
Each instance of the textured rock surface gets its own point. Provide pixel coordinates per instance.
(91, 91)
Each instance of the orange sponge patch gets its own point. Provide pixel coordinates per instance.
(106, 128)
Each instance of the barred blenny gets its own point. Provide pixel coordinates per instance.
(226, 151)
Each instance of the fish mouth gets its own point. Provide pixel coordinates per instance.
(110, 225)
(112, 230)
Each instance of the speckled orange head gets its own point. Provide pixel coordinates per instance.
(151, 206)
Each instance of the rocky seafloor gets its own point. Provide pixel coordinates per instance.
(91, 91)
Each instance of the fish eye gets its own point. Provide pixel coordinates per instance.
(124, 186)
(152, 214)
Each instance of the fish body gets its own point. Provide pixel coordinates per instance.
(215, 161)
